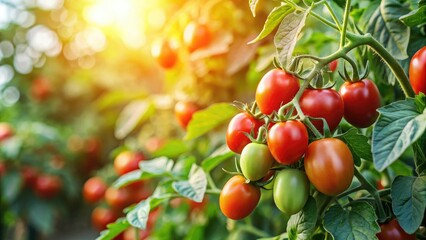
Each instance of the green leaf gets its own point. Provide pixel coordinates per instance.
(156, 166)
(399, 125)
(409, 201)
(253, 5)
(400, 168)
(114, 229)
(357, 223)
(216, 158)
(415, 17)
(196, 185)
(172, 148)
(358, 144)
(128, 178)
(138, 216)
(302, 225)
(286, 37)
(41, 215)
(207, 119)
(183, 166)
(115, 98)
(420, 159)
(385, 26)
(274, 18)
(134, 113)
(10, 186)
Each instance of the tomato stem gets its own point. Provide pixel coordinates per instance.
(253, 230)
(345, 23)
(211, 182)
(333, 15)
(350, 191)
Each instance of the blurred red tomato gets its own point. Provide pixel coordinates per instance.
(94, 189)
(130, 234)
(102, 216)
(118, 198)
(165, 52)
(40, 89)
(184, 111)
(196, 36)
(6, 131)
(127, 161)
(3, 168)
(47, 186)
(29, 175)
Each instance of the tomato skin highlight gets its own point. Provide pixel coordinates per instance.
(239, 125)
(417, 71)
(275, 89)
(255, 161)
(238, 199)
(329, 166)
(196, 36)
(333, 65)
(393, 231)
(361, 100)
(165, 53)
(291, 190)
(322, 103)
(118, 198)
(102, 216)
(288, 141)
(6, 131)
(184, 111)
(127, 161)
(94, 189)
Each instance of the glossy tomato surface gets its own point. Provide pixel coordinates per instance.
(196, 35)
(288, 141)
(238, 199)
(94, 189)
(275, 89)
(241, 124)
(47, 186)
(361, 100)
(333, 65)
(291, 190)
(323, 103)
(184, 111)
(417, 71)
(329, 165)
(255, 161)
(127, 161)
(393, 231)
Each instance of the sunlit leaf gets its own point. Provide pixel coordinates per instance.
(133, 114)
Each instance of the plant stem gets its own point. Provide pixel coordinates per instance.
(345, 23)
(213, 191)
(333, 15)
(253, 230)
(350, 191)
(211, 182)
(373, 191)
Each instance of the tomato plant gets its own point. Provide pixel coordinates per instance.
(255, 161)
(361, 100)
(240, 125)
(291, 190)
(238, 199)
(392, 230)
(94, 189)
(417, 71)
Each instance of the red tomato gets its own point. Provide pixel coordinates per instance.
(41, 89)
(196, 36)
(3, 168)
(165, 53)
(323, 103)
(329, 165)
(288, 141)
(118, 198)
(47, 186)
(197, 206)
(361, 100)
(127, 161)
(240, 124)
(29, 175)
(417, 71)
(333, 65)
(238, 198)
(94, 189)
(393, 231)
(154, 143)
(184, 112)
(6, 131)
(130, 234)
(102, 216)
(275, 89)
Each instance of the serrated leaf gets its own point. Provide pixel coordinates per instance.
(358, 144)
(385, 26)
(172, 148)
(357, 223)
(302, 225)
(138, 216)
(196, 185)
(207, 119)
(415, 17)
(398, 127)
(114, 229)
(274, 18)
(156, 166)
(253, 5)
(286, 37)
(133, 114)
(216, 158)
(409, 201)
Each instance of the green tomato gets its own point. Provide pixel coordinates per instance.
(255, 161)
(291, 190)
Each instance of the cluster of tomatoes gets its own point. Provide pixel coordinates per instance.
(111, 201)
(285, 146)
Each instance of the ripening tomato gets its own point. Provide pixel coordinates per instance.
(165, 52)
(6, 131)
(417, 71)
(29, 175)
(393, 231)
(275, 89)
(196, 36)
(255, 161)
(291, 190)
(118, 198)
(47, 186)
(329, 165)
(102, 216)
(288, 141)
(3, 168)
(41, 89)
(130, 234)
(322, 103)
(127, 161)
(241, 124)
(94, 189)
(184, 111)
(361, 100)
(333, 65)
(238, 198)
